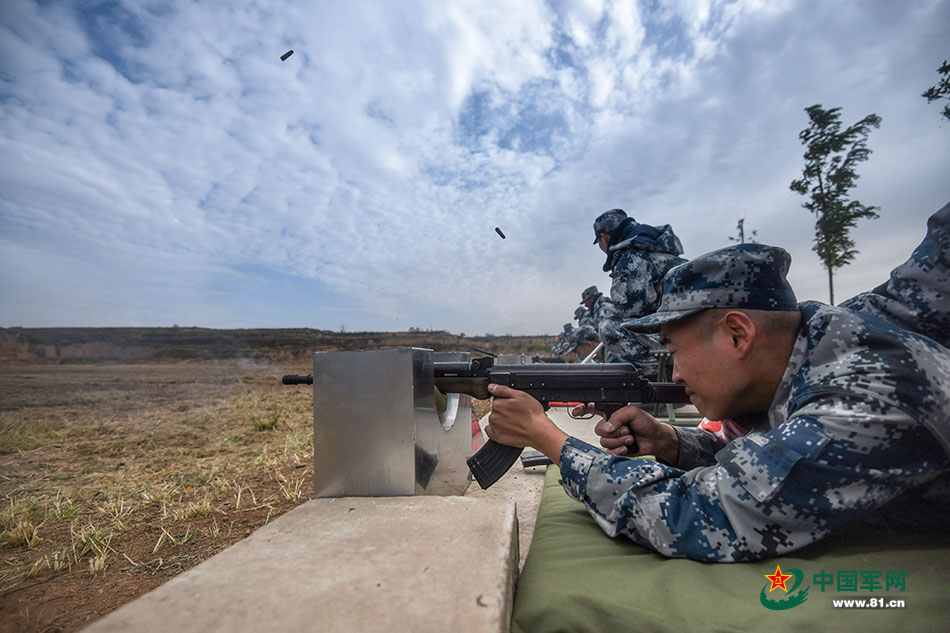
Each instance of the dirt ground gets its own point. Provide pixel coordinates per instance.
(116, 477)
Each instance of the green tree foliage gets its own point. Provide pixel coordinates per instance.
(831, 157)
(940, 90)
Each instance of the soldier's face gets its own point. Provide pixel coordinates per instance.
(703, 364)
(603, 241)
(581, 351)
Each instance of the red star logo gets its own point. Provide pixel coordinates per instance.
(778, 579)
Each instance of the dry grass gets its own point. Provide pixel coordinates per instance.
(114, 478)
(120, 476)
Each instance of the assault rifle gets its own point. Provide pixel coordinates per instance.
(611, 386)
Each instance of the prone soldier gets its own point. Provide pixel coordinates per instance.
(582, 341)
(848, 411)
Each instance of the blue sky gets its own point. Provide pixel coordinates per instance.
(160, 165)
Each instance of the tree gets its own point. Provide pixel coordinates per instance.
(831, 158)
(740, 233)
(941, 89)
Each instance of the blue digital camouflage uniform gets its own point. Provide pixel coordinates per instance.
(599, 309)
(915, 297)
(562, 340)
(579, 335)
(859, 429)
(585, 318)
(638, 255)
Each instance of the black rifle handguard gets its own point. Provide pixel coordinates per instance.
(610, 386)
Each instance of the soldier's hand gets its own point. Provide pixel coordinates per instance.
(587, 409)
(517, 419)
(633, 432)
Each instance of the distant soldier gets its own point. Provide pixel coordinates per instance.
(562, 340)
(598, 307)
(584, 318)
(582, 341)
(638, 255)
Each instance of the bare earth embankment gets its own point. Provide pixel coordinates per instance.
(130, 455)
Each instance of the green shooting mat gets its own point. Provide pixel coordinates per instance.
(577, 579)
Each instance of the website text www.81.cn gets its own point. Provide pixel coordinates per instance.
(868, 603)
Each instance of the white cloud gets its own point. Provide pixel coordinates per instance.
(373, 165)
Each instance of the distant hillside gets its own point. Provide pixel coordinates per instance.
(68, 345)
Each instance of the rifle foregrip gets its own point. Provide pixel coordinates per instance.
(492, 461)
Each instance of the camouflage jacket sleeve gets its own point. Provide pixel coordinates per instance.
(759, 498)
(603, 309)
(696, 448)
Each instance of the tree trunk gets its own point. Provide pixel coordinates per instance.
(831, 288)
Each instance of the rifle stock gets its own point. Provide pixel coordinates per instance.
(475, 387)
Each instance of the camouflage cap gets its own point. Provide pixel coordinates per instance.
(750, 276)
(583, 334)
(569, 341)
(607, 221)
(579, 312)
(562, 343)
(589, 293)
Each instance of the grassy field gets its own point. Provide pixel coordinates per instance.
(114, 478)
(269, 345)
(117, 475)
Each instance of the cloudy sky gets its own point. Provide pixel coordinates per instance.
(159, 163)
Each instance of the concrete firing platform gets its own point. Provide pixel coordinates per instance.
(403, 564)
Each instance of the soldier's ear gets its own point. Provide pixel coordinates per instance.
(741, 332)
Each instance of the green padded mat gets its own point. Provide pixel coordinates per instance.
(578, 579)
